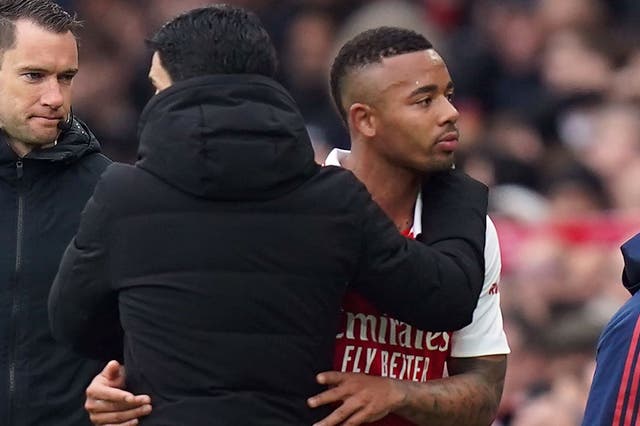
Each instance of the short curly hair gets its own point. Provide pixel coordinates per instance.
(370, 47)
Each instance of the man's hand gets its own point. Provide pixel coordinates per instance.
(107, 402)
(363, 398)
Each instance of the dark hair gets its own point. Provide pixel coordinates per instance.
(371, 47)
(44, 13)
(218, 39)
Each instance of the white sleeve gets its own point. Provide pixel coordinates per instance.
(485, 335)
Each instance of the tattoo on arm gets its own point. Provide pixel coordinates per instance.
(470, 396)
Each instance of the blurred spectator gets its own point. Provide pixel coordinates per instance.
(572, 64)
(307, 55)
(625, 189)
(614, 141)
(571, 14)
(573, 189)
(626, 83)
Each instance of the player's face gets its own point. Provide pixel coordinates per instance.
(35, 84)
(158, 74)
(415, 117)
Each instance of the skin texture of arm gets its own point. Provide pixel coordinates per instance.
(470, 396)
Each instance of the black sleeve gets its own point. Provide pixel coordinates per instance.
(83, 308)
(433, 284)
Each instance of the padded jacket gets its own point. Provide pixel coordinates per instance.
(41, 196)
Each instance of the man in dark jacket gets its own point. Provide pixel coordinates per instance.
(49, 164)
(226, 251)
(613, 397)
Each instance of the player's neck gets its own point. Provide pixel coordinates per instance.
(394, 188)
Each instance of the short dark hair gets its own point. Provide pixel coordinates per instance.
(218, 39)
(44, 13)
(370, 47)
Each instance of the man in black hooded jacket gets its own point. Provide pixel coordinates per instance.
(49, 165)
(225, 251)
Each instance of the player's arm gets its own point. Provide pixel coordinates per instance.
(477, 364)
(470, 396)
(109, 404)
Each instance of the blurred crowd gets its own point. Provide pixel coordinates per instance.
(549, 93)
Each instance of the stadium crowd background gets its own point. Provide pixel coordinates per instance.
(549, 94)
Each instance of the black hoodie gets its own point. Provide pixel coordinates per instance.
(41, 196)
(227, 251)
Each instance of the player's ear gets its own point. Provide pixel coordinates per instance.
(362, 120)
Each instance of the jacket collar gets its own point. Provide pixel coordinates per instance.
(74, 142)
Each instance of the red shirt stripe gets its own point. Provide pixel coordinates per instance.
(622, 397)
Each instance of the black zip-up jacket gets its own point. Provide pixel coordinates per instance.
(227, 251)
(41, 196)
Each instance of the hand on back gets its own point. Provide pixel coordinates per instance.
(109, 404)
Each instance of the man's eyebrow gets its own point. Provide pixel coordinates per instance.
(429, 88)
(33, 68)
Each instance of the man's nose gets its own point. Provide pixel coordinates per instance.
(450, 113)
(52, 96)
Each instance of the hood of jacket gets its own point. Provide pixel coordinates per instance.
(631, 272)
(226, 137)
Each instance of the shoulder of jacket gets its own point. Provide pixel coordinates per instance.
(340, 176)
(96, 162)
(115, 178)
(119, 172)
(340, 183)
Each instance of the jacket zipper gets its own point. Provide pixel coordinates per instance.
(15, 305)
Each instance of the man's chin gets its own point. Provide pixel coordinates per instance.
(440, 164)
(44, 139)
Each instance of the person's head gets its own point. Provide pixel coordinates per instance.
(38, 60)
(213, 40)
(394, 92)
